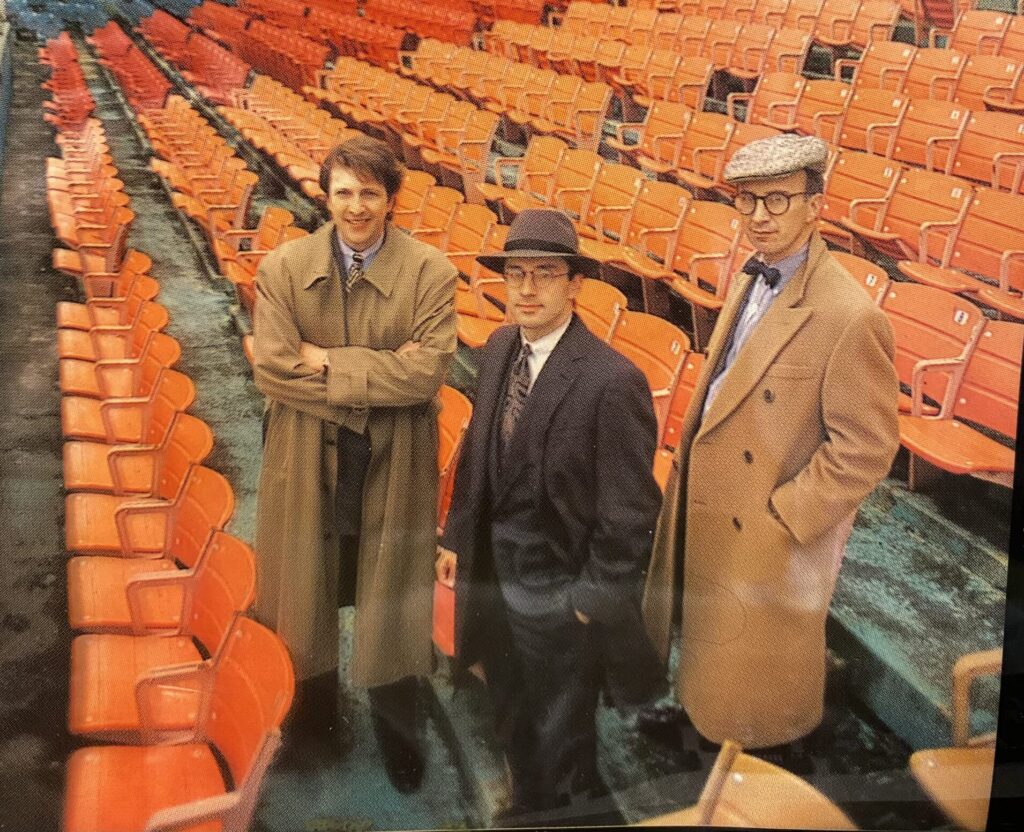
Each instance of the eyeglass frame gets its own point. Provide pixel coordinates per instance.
(764, 201)
(540, 281)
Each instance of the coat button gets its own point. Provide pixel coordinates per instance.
(769, 396)
(748, 457)
(736, 522)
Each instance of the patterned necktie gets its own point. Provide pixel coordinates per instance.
(355, 269)
(755, 267)
(515, 396)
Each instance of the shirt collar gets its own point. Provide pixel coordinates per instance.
(789, 266)
(368, 254)
(546, 343)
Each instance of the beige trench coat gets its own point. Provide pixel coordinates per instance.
(761, 500)
(407, 294)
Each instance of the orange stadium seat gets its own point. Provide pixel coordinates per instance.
(987, 78)
(113, 342)
(934, 73)
(136, 469)
(930, 326)
(658, 348)
(976, 32)
(120, 686)
(872, 120)
(606, 209)
(234, 245)
(923, 203)
(114, 788)
(702, 150)
(534, 173)
(772, 99)
(650, 233)
(990, 150)
(124, 420)
(986, 396)
(872, 277)
(111, 378)
(989, 242)
(884, 64)
(451, 424)
(140, 527)
(570, 187)
(600, 306)
(658, 138)
(745, 791)
(959, 779)
(703, 262)
(110, 299)
(853, 178)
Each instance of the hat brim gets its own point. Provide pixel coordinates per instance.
(578, 263)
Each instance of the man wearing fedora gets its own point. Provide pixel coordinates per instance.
(551, 524)
(792, 423)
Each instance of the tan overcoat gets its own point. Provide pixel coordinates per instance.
(407, 294)
(761, 500)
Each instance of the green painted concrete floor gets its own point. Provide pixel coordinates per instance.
(911, 581)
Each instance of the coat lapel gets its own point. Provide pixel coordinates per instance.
(780, 323)
(554, 381)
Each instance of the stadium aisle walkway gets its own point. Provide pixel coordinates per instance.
(34, 639)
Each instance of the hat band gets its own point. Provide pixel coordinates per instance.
(529, 243)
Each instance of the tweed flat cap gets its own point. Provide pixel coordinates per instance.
(776, 156)
(542, 232)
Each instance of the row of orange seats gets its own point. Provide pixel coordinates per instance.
(205, 64)
(287, 56)
(163, 664)
(834, 24)
(453, 22)
(71, 103)
(143, 84)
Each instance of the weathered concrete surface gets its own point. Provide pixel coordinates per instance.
(34, 639)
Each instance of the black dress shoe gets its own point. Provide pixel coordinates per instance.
(403, 759)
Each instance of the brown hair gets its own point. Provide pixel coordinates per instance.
(367, 158)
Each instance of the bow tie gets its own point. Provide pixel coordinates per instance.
(755, 267)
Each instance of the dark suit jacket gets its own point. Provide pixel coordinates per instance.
(584, 447)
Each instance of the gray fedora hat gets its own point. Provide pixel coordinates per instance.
(542, 232)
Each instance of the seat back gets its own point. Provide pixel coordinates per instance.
(749, 52)
(802, 15)
(773, 88)
(252, 692)
(657, 82)
(600, 305)
(884, 63)
(755, 793)
(666, 30)
(788, 51)
(680, 400)
(189, 441)
(982, 72)
(704, 143)
(439, 208)
(1012, 46)
(772, 12)
(872, 120)
(543, 157)
(922, 197)
(452, 422)
(821, 109)
(658, 215)
(658, 348)
(692, 34)
(690, 81)
(612, 198)
(991, 150)
(869, 276)
(934, 73)
(574, 180)
(929, 323)
(991, 230)
(225, 586)
(172, 394)
(990, 389)
(979, 32)
(151, 319)
(409, 200)
(707, 243)
(857, 176)
(924, 121)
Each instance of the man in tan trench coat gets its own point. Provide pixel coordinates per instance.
(354, 330)
(792, 423)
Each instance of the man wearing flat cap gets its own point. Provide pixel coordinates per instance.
(551, 525)
(792, 423)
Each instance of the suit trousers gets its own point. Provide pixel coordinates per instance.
(544, 680)
(395, 703)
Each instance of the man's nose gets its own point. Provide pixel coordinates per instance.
(760, 211)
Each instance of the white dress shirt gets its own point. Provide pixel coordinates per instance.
(542, 348)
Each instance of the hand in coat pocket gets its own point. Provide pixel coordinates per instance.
(444, 566)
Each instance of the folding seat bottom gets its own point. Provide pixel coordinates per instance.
(117, 789)
(98, 599)
(90, 525)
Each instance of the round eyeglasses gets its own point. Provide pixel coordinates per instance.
(776, 203)
(543, 276)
